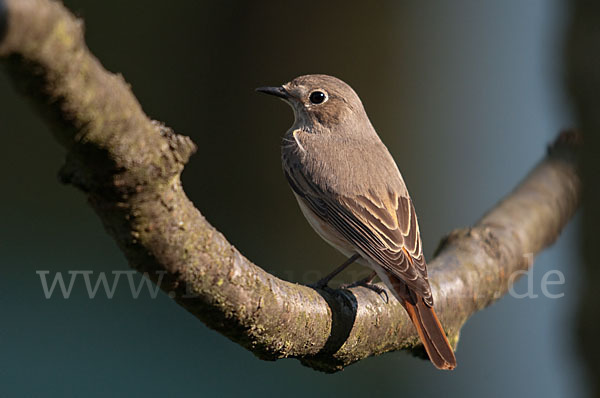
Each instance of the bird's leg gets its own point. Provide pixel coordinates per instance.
(368, 283)
(321, 283)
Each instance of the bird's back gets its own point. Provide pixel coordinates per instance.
(343, 166)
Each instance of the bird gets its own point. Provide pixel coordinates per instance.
(351, 192)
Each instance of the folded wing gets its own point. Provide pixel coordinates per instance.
(382, 225)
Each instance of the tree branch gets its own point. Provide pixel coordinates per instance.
(129, 167)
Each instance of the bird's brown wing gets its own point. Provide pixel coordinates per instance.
(383, 225)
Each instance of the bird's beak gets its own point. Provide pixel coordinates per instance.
(276, 91)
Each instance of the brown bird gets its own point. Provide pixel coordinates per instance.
(352, 193)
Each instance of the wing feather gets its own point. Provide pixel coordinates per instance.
(383, 226)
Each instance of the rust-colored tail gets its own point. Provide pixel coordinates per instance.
(431, 333)
(427, 324)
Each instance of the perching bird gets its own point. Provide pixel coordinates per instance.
(352, 193)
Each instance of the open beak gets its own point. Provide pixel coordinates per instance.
(276, 91)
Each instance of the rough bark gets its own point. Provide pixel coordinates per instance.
(129, 167)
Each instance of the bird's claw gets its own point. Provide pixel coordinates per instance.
(368, 283)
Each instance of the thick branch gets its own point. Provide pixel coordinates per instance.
(129, 167)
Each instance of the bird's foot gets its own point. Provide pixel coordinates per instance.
(322, 283)
(368, 283)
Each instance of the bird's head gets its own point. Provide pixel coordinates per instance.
(323, 105)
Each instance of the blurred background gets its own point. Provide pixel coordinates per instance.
(466, 95)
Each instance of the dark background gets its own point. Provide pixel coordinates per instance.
(466, 95)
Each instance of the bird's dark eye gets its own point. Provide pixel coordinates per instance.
(317, 97)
